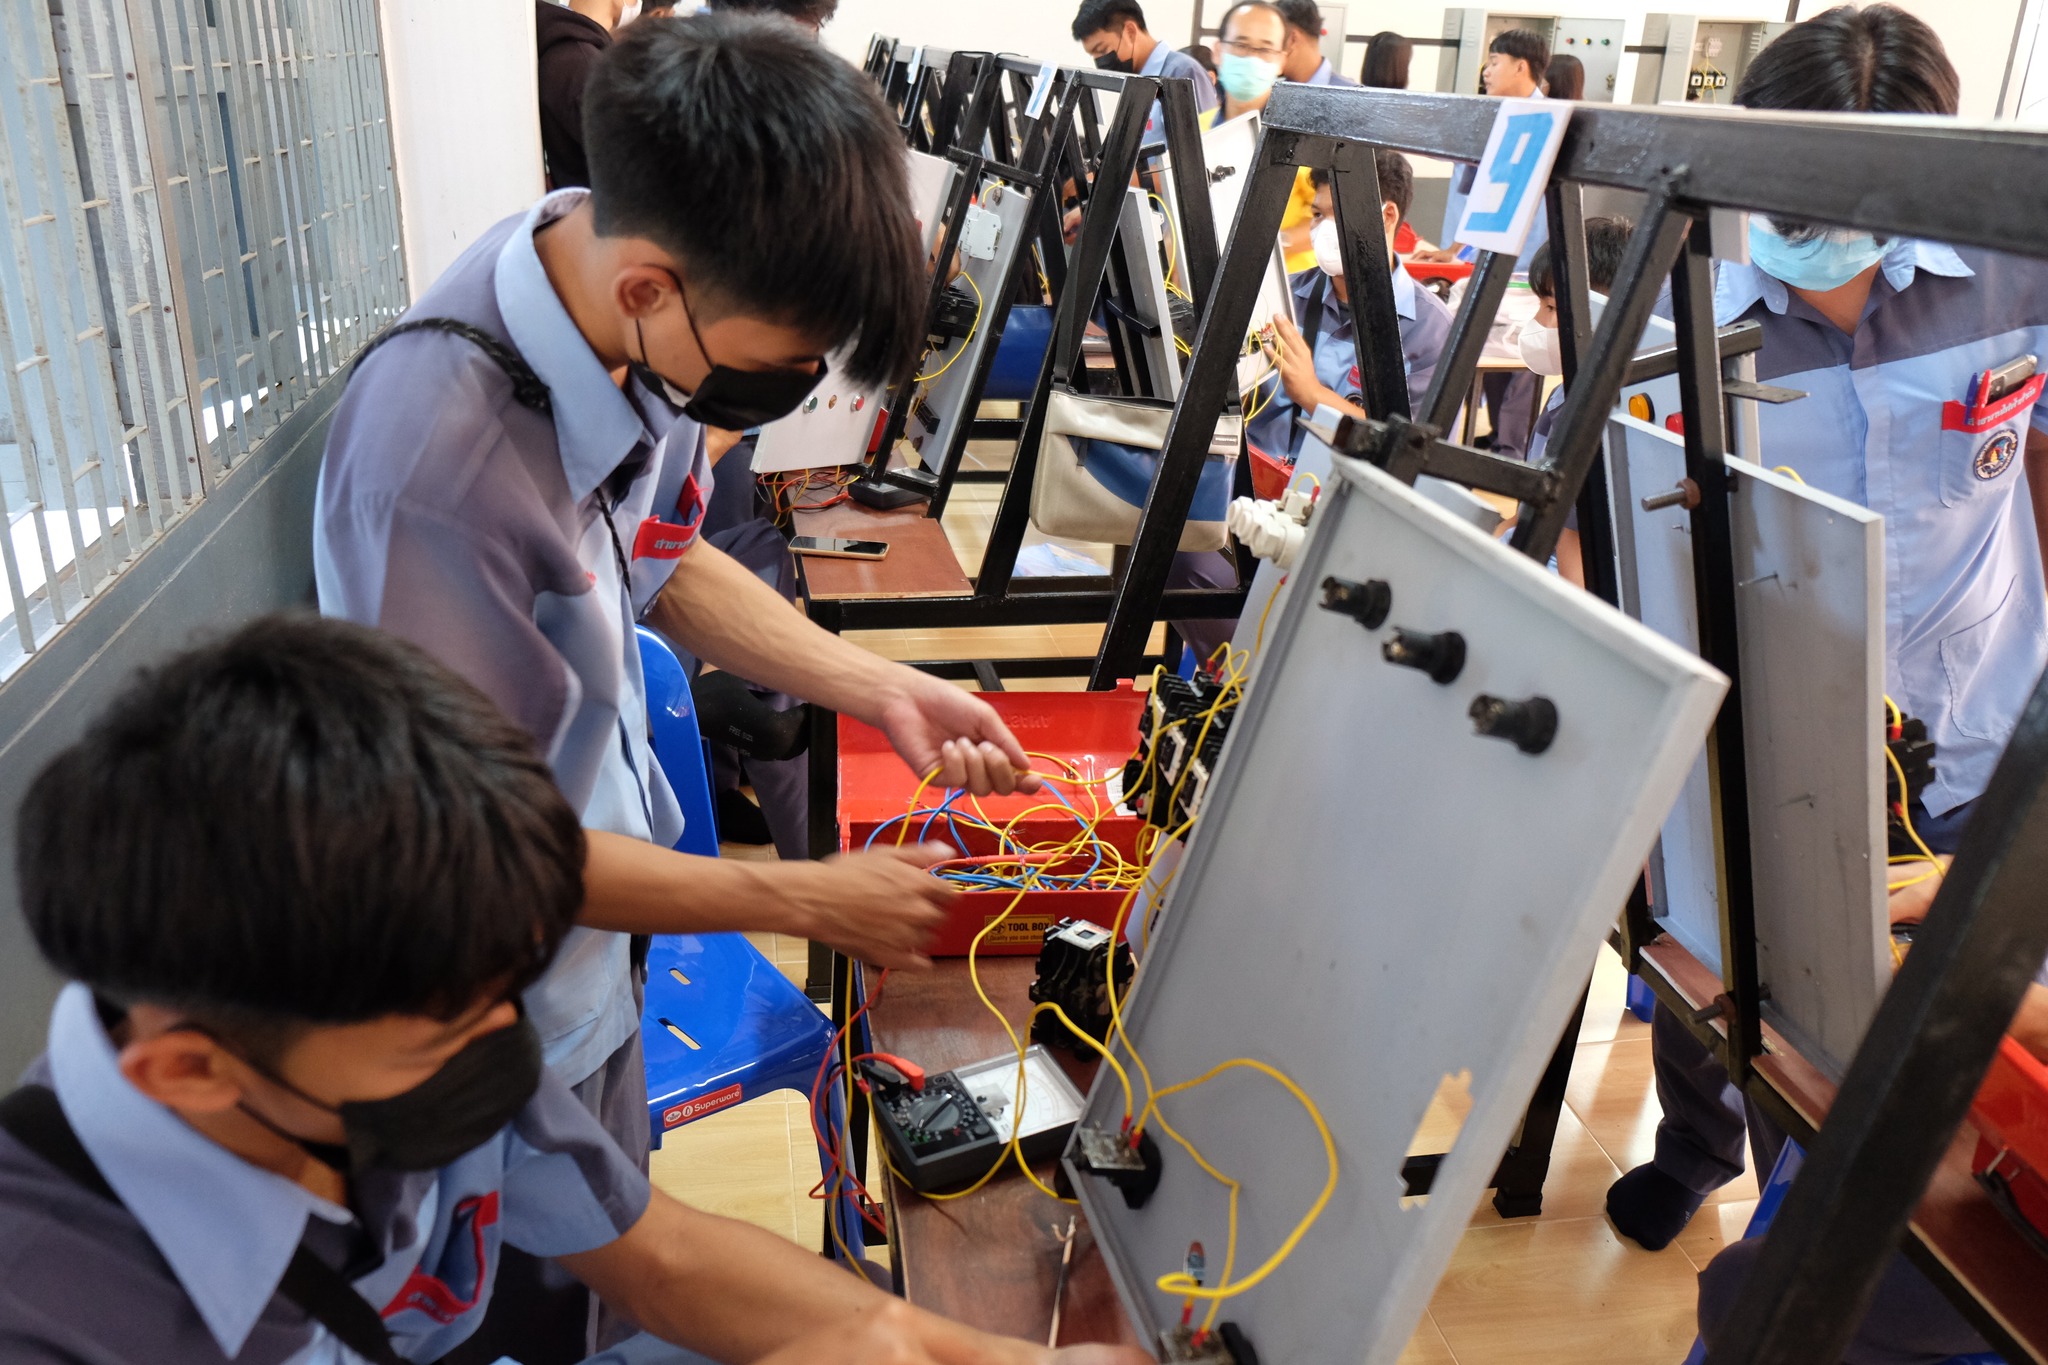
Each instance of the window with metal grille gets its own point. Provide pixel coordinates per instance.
(198, 226)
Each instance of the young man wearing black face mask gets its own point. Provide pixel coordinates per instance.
(290, 1109)
(516, 476)
(1114, 35)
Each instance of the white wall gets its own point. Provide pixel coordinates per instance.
(465, 121)
(1029, 28)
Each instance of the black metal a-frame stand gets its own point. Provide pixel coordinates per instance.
(1912, 1080)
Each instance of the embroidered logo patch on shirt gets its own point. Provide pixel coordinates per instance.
(1995, 456)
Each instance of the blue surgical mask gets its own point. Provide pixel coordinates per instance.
(1246, 78)
(1828, 261)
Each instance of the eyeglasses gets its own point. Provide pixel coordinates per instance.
(1242, 49)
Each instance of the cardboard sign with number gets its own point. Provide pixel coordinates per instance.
(1507, 193)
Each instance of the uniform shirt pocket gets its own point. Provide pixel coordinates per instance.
(1978, 464)
(1980, 701)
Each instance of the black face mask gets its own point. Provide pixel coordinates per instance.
(736, 400)
(1122, 66)
(456, 1110)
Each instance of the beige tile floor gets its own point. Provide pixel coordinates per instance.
(1562, 1287)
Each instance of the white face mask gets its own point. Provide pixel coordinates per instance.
(1329, 247)
(629, 13)
(1540, 349)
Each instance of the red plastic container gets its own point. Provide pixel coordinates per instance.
(2011, 1118)
(1096, 732)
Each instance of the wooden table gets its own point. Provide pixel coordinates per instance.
(989, 1260)
(920, 562)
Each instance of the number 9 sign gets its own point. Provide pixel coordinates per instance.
(1507, 192)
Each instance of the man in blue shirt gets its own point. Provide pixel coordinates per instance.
(291, 1110)
(1889, 340)
(1303, 60)
(1113, 33)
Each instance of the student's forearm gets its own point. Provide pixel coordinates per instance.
(721, 1287)
(728, 617)
(736, 1293)
(635, 887)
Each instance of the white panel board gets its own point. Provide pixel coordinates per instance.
(1377, 897)
(1229, 152)
(943, 404)
(1139, 241)
(1810, 626)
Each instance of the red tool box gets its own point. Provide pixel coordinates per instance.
(2011, 1118)
(1096, 732)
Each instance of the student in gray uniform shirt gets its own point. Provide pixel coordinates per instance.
(291, 1109)
(517, 475)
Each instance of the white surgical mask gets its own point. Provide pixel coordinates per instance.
(1329, 247)
(1540, 349)
(629, 13)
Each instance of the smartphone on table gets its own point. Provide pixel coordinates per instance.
(830, 547)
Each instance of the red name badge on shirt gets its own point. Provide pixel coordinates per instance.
(658, 539)
(1957, 417)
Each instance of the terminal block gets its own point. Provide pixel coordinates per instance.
(1178, 733)
(1073, 973)
(1134, 1168)
(1914, 753)
(1227, 1345)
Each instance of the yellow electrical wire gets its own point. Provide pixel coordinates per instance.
(1788, 471)
(1231, 665)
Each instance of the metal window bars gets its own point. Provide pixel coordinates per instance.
(200, 227)
(1911, 1081)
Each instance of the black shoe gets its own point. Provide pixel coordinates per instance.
(739, 820)
(1650, 1208)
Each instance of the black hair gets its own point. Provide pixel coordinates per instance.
(1530, 47)
(771, 171)
(307, 822)
(1386, 61)
(1879, 60)
(1397, 180)
(1204, 56)
(1302, 15)
(1565, 78)
(1606, 243)
(1096, 15)
(816, 13)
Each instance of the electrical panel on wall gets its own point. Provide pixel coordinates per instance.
(1446, 772)
(1468, 33)
(1809, 571)
(1688, 59)
(1598, 45)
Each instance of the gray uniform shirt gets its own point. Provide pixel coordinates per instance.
(490, 535)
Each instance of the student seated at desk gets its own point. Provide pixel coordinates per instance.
(1314, 353)
(1315, 360)
(1606, 240)
(292, 1109)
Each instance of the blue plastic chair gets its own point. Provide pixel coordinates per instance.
(1790, 1158)
(721, 1024)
